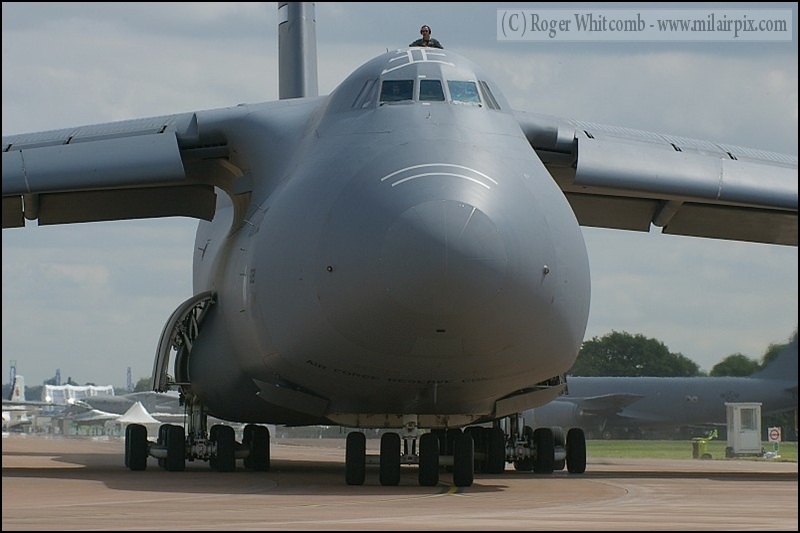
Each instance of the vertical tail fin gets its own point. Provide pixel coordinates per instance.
(297, 50)
(783, 366)
(18, 389)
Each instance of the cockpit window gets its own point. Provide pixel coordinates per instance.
(431, 91)
(367, 94)
(397, 90)
(488, 96)
(463, 92)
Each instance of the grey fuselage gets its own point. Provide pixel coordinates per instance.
(398, 258)
(664, 402)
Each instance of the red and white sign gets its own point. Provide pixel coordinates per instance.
(774, 434)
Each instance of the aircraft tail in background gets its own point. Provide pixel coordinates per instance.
(18, 389)
(783, 366)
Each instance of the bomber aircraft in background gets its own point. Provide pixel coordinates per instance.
(403, 253)
(623, 407)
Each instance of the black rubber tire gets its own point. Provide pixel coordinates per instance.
(355, 465)
(576, 451)
(390, 459)
(464, 461)
(429, 460)
(495, 451)
(257, 441)
(226, 449)
(136, 447)
(175, 441)
(545, 449)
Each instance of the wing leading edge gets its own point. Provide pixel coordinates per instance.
(631, 179)
(120, 170)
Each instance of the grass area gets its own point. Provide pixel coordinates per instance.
(676, 449)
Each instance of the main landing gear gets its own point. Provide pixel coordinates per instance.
(218, 445)
(475, 449)
(220, 448)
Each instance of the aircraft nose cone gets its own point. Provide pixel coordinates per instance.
(443, 256)
(416, 258)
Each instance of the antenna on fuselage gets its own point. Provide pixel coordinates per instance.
(297, 50)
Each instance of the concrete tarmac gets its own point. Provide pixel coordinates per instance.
(82, 484)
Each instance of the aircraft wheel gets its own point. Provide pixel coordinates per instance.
(256, 440)
(559, 440)
(226, 449)
(355, 465)
(495, 451)
(576, 451)
(136, 447)
(175, 439)
(429, 460)
(390, 459)
(543, 442)
(464, 461)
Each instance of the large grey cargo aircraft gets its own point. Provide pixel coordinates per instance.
(621, 407)
(403, 253)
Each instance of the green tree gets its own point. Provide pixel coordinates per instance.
(736, 365)
(624, 354)
(143, 385)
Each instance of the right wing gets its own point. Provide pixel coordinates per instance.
(630, 179)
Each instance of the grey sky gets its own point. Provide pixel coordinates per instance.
(91, 299)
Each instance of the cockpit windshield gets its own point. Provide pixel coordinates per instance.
(431, 91)
(417, 76)
(463, 92)
(397, 90)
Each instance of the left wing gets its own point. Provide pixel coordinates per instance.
(120, 170)
(629, 179)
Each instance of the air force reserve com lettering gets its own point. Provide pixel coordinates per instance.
(644, 25)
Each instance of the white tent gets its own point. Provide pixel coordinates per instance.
(137, 414)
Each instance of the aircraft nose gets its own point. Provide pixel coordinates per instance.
(443, 256)
(429, 258)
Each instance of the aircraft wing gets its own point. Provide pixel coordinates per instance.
(10, 405)
(142, 168)
(629, 179)
(604, 405)
(121, 170)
